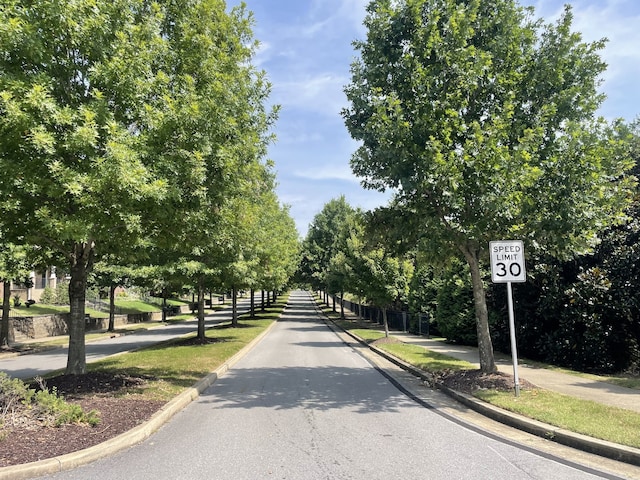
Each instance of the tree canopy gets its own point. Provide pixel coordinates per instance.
(325, 234)
(483, 120)
(125, 119)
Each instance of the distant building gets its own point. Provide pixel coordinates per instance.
(41, 280)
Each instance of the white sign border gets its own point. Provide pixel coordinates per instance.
(509, 278)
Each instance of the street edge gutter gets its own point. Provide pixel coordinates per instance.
(603, 448)
(136, 434)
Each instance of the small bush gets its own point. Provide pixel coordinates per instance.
(14, 394)
(62, 293)
(455, 313)
(19, 403)
(48, 404)
(48, 296)
(17, 301)
(93, 294)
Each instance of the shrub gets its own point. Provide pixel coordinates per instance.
(14, 394)
(17, 301)
(93, 294)
(48, 296)
(455, 313)
(62, 293)
(48, 404)
(19, 404)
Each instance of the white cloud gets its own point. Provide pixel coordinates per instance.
(300, 138)
(331, 17)
(339, 172)
(620, 26)
(616, 20)
(321, 93)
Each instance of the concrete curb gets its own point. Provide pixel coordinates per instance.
(133, 436)
(602, 448)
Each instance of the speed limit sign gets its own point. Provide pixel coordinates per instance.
(507, 266)
(507, 261)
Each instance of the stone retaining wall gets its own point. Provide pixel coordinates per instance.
(43, 326)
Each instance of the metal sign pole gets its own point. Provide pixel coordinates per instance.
(512, 334)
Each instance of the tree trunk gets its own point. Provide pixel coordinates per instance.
(234, 308)
(81, 263)
(342, 304)
(164, 304)
(485, 346)
(333, 301)
(268, 299)
(384, 322)
(201, 331)
(262, 304)
(6, 332)
(112, 308)
(253, 304)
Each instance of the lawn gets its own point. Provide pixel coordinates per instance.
(136, 306)
(581, 416)
(573, 414)
(174, 367)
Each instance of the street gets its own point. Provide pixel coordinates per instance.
(304, 405)
(29, 366)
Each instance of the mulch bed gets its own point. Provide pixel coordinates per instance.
(470, 381)
(30, 440)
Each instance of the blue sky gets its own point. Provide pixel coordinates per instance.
(306, 51)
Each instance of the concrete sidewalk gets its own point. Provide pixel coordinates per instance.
(573, 385)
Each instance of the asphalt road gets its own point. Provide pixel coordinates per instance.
(304, 405)
(29, 366)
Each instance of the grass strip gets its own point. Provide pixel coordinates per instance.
(581, 416)
(424, 359)
(172, 367)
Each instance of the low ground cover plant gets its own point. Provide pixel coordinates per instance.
(23, 405)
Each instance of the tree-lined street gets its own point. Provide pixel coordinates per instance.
(302, 404)
(133, 148)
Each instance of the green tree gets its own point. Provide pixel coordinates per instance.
(340, 275)
(264, 244)
(67, 132)
(321, 242)
(212, 114)
(483, 119)
(277, 245)
(14, 265)
(111, 273)
(236, 247)
(120, 119)
(382, 278)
